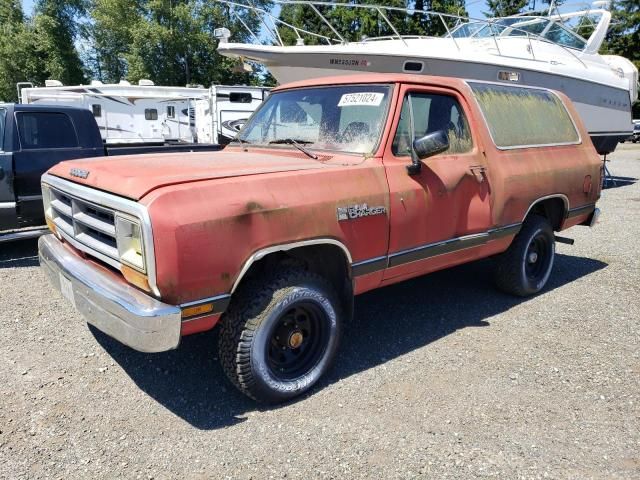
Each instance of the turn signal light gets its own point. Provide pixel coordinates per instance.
(52, 226)
(136, 278)
(196, 310)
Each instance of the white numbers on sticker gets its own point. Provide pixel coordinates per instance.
(361, 98)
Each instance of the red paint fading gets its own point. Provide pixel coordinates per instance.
(134, 176)
(199, 325)
(211, 211)
(208, 229)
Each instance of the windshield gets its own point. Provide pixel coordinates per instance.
(342, 118)
(521, 26)
(3, 116)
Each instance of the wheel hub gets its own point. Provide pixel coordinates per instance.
(295, 339)
(533, 257)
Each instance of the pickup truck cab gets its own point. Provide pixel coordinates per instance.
(334, 187)
(33, 138)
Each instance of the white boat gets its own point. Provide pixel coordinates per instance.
(149, 114)
(536, 50)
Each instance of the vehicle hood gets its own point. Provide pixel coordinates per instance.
(134, 176)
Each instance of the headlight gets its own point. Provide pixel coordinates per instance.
(46, 200)
(130, 244)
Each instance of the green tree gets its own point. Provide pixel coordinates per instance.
(355, 23)
(56, 26)
(11, 12)
(168, 41)
(110, 36)
(16, 60)
(623, 37)
(504, 8)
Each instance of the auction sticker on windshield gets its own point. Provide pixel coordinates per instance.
(361, 98)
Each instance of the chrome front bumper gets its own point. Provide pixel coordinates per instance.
(116, 308)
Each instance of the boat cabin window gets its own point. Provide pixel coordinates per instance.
(46, 130)
(171, 111)
(431, 113)
(3, 119)
(513, 115)
(240, 97)
(150, 114)
(339, 118)
(96, 109)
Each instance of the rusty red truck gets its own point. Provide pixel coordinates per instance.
(334, 187)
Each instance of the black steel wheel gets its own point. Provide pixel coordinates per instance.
(525, 267)
(298, 340)
(280, 335)
(539, 254)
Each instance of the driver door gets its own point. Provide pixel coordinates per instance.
(439, 214)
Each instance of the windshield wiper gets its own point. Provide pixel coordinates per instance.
(297, 144)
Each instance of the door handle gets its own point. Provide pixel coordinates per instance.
(478, 171)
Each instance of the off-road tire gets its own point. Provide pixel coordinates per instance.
(247, 332)
(512, 266)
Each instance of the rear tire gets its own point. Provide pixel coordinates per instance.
(525, 267)
(280, 335)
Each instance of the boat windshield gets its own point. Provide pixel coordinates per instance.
(345, 118)
(521, 26)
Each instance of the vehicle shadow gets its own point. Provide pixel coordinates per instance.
(614, 181)
(19, 253)
(389, 322)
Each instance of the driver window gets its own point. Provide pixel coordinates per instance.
(431, 113)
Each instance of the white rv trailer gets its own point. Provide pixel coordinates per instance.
(225, 111)
(150, 114)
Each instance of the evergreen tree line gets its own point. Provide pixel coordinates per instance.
(171, 41)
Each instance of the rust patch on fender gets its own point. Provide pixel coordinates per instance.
(253, 207)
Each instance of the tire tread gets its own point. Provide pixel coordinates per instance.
(245, 314)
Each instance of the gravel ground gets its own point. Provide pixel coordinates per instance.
(439, 377)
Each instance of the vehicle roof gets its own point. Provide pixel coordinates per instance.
(42, 108)
(376, 78)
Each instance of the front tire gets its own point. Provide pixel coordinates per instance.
(525, 267)
(280, 335)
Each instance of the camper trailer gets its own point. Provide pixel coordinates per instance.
(152, 115)
(220, 116)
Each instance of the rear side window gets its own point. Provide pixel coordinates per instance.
(46, 130)
(97, 110)
(3, 121)
(524, 117)
(171, 111)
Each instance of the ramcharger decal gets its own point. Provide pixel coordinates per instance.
(352, 212)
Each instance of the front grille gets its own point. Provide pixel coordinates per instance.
(91, 225)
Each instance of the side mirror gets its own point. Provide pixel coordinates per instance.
(431, 144)
(427, 146)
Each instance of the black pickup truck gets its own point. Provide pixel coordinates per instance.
(33, 138)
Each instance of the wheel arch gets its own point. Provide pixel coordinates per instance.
(553, 207)
(326, 256)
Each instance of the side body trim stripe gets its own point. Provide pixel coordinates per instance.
(432, 249)
(575, 212)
